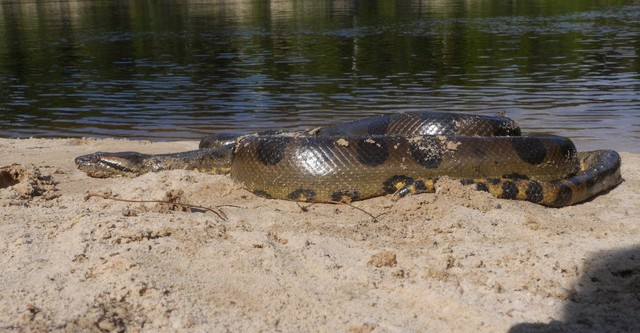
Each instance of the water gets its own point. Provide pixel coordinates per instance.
(172, 70)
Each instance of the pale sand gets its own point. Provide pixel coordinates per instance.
(455, 261)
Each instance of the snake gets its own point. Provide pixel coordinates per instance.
(396, 154)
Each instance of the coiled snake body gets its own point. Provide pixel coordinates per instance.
(394, 154)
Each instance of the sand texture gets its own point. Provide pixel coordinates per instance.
(454, 261)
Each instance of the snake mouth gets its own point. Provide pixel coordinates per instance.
(104, 165)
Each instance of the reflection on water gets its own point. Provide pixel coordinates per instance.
(181, 69)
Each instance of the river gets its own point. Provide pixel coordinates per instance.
(174, 70)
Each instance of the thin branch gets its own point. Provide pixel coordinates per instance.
(373, 217)
(218, 213)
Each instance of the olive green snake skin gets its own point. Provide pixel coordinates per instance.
(393, 154)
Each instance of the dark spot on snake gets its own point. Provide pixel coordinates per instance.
(509, 190)
(467, 181)
(515, 176)
(345, 196)
(397, 182)
(563, 196)
(420, 186)
(513, 131)
(534, 191)
(505, 128)
(530, 150)
(372, 152)
(262, 194)
(494, 181)
(302, 195)
(427, 153)
(482, 187)
(271, 150)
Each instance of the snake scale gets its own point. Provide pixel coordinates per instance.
(392, 154)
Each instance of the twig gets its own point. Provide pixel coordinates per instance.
(218, 213)
(373, 217)
(304, 208)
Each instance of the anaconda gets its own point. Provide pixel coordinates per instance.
(393, 154)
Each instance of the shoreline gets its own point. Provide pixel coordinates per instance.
(456, 260)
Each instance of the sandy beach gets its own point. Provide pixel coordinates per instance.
(454, 261)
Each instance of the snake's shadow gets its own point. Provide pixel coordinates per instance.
(605, 299)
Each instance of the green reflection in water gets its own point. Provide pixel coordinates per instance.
(163, 70)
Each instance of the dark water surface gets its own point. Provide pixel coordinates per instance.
(171, 70)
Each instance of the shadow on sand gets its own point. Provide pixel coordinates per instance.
(605, 299)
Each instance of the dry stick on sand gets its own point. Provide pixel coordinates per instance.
(373, 217)
(218, 212)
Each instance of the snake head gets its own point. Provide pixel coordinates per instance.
(106, 165)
